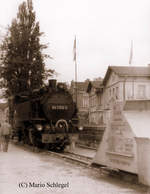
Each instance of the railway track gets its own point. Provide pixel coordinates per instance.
(74, 157)
(84, 160)
(87, 161)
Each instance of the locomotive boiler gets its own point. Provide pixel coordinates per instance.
(46, 117)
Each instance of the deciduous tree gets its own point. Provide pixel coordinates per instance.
(23, 66)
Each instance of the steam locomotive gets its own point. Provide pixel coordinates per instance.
(46, 117)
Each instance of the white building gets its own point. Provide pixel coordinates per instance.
(125, 83)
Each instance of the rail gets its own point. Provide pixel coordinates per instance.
(74, 157)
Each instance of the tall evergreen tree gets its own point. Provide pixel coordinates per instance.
(23, 66)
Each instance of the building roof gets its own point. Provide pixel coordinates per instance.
(81, 86)
(95, 84)
(131, 71)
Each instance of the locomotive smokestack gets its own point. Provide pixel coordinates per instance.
(52, 83)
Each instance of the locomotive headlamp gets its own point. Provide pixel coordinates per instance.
(81, 128)
(61, 86)
(39, 127)
(47, 127)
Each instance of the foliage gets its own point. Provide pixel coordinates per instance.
(23, 67)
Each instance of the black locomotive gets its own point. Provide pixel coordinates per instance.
(45, 117)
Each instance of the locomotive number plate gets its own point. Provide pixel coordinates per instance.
(59, 107)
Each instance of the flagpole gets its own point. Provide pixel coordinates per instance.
(76, 78)
(131, 53)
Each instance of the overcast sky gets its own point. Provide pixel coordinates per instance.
(104, 31)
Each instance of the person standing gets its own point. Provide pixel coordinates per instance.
(0, 137)
(5, 135)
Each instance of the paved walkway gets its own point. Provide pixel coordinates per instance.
(25, 172)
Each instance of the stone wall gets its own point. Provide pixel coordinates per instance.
(91, 136)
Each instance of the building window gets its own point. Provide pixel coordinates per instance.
(93, 101)
(110, 92)
(113, 92)
(129, 93)
(99, 100)
(117, 93)
(85, 102)
(141, 91)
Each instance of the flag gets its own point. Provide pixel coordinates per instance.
(131, 53)
(74, 50)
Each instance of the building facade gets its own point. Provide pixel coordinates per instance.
(124, 83)
(81, 97)
(120, 84)
(95, 91)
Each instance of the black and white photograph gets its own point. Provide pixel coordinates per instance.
(75, 97)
